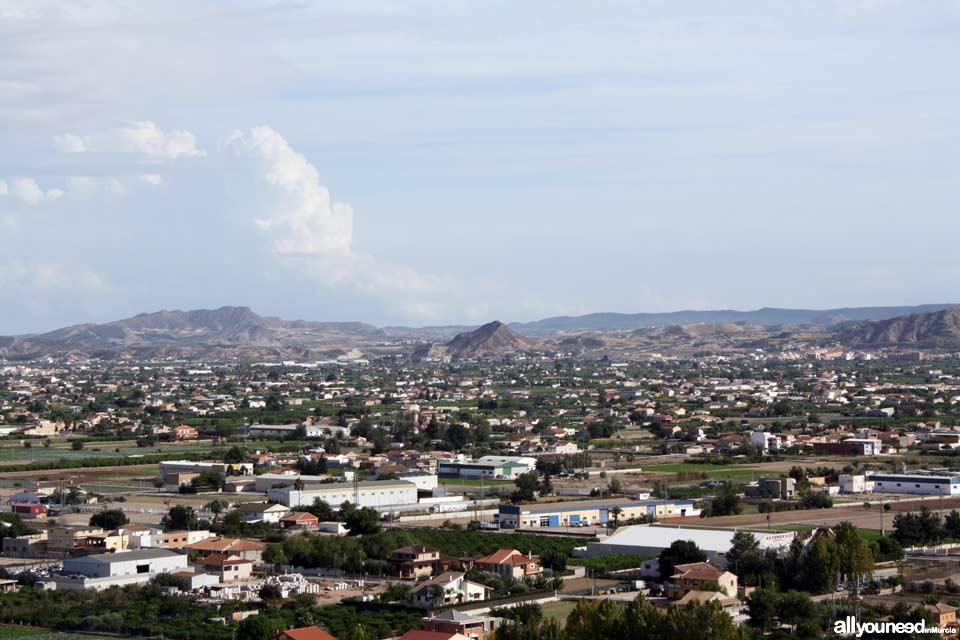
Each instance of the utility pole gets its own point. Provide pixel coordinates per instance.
(881, 515)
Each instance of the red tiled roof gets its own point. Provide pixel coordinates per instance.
(306, 633)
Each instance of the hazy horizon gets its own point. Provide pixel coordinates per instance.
(427, 163)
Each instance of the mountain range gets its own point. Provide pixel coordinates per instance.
(239, 332)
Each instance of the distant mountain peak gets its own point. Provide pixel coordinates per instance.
(492, 339)
(933, 329)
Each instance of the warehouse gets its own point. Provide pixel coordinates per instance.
(918, 483)
(589, 512)
(105, 570)
(650, 540)
(374, 493)
(487, 467)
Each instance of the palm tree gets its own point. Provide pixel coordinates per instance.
(616, 511)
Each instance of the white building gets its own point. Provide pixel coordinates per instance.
(855, 484)
(105, 570)
(650, 540)
(487, 467)
(918, 483)
(376, 493)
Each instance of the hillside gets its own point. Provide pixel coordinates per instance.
(210, 332)
(493, 339)
(937, 329)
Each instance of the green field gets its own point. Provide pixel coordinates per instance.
(32, 633)
(558, 610)
(712, 470)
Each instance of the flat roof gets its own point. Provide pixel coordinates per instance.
(127, 556)
(712, 540)
(578, 505)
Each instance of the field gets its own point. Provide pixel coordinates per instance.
(711, 470)
(31, 633)
(559, 610)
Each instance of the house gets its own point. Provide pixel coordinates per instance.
(466, 624)
(944, 615)
(421, 634)
(415, 561)
(695, 575)
(239, 547)
(266, 512)
(729, 604)
(303, 633)
(510, 563)
(301, 520)
(450, 587)
(8, 586)
(226, 567)
(185, 432)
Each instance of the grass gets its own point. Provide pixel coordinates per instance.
(711, 470)
(558, 611)
(32, 633)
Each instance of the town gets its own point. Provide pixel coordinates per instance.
(498, 497)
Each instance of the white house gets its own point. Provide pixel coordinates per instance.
(450, 587)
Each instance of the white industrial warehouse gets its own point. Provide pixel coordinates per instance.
(650, 540)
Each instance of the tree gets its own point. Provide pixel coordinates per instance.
(235, 455)
(76, 445)
(180, 517)
(726, 502)
(527, 486)
(109, 519)
(363, 521)
(679, 552)
(615, 486)
(853, 553)
(256, 628)
(616, 512)
(322, 509)
(762, 605)
(821, 566)
(952, 524)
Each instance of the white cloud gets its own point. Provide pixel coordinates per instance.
(301, 218)
(49, 277)
(152, 179)
(147, 138)
(28, 191)
(141, 137)
(94, 185)
(70, 143)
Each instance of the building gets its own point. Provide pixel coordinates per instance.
(168, 470)
(695, 576)
(105, 570)
(855, 484)
(228, 568)
(850, 447)
(266, 512)
(303, 633)
(730, 604)
(510, 563)
(415, 561)
(185, 432)
(466, 624)
(650, 540)
(235, 547)
(300, 520)
(589, 512)
(923, 484)
(450, 587)
(772, 489)
(487, 467)
(379, 494)
(422, 634)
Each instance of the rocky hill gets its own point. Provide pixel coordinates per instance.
(939, 329)
(204, 332)
(493, 339)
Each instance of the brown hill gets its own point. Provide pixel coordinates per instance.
(937, 329)
(492, 339)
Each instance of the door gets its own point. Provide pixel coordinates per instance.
(554, 521)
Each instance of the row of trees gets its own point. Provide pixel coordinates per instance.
(925, 528)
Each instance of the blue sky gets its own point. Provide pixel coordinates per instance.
(424, 162)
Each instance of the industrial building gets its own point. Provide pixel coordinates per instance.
(374, 493)
(650, 540)
(487, 467)
(916, 483)
(589, 512)
(105, 570)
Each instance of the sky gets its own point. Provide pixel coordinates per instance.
(420, 163)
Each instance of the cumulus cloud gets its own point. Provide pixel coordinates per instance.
(28, 191)
(301, 218)
(142, 137)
